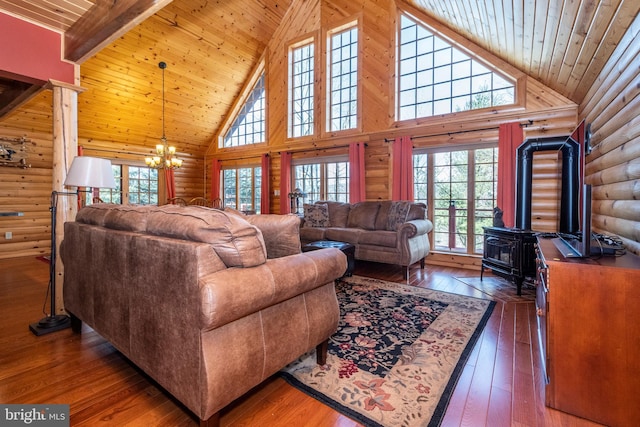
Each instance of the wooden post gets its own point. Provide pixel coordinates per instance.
(65, 148)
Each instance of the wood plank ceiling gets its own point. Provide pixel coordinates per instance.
(212, 46)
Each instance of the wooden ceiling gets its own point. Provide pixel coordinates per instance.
(211, 47)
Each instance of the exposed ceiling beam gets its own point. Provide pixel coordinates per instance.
(104, 22)
(16, 90)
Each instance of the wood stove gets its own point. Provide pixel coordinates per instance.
(509, 253)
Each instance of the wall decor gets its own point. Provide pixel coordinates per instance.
(14, 152)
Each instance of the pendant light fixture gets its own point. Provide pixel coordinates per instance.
(165, 157)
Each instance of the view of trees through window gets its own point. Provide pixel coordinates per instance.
(249, 125)
(437, 78)
(301, 76)
(343, 80)
(134, 184)
(323, 181)
(242, 188)
(463, 185)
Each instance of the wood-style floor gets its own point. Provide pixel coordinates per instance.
(501, 384)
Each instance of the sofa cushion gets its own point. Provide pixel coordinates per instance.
(128, 218)
(236, 242)
(118, 217)
(397, 215)
(312, 234)
(379, 238)
(281, 233)
(363, 215)
(348, 235)
(383, 214)
(338, 213)
(316, 215)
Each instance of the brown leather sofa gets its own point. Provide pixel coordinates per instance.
(196, 298)
(392, 232)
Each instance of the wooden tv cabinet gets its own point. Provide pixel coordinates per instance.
(589, 330)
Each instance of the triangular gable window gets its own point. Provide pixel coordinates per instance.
(437, 78)
(249, 125)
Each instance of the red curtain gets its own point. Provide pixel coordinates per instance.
(171, 183)
(356, 172)
(510, 137)
(264, 186)
(285, 182)
(216, 166)
(402, 185)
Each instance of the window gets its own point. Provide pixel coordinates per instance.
(249, 125)
(328, 180)
(343, 80)
(241, 188)
(301, 108)
(436, 78)
(134, 184)
(460, 183)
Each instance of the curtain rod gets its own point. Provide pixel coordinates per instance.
(106, 150)
(302, 150)
(522, 125)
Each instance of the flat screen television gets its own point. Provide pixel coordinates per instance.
(579, 244)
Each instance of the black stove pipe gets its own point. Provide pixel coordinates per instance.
(570, 180)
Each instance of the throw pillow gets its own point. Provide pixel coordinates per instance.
(316, 215)
(397, 215)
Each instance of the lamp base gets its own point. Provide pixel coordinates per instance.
(50, 324)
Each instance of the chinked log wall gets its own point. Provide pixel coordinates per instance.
(613, 167)
(29, 190)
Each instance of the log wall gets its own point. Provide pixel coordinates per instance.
(29, 190)
(613, 167)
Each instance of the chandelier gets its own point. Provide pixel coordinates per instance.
(165, 157)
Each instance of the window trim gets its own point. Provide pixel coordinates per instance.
(253, 167)
(124, 190)
(296, 43)
(322, 161)
(486, 58)
(236, 109)
(429, 150)
(326, 66)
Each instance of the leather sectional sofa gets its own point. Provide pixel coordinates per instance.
(204, 302)
(392, 232)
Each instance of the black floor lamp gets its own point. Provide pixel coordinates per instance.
(84, 172)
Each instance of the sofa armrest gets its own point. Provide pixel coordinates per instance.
(415, 227)
(234, 293)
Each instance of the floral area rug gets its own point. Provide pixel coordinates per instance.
(397, 355)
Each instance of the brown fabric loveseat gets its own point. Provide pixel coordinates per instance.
(196, 298)
(390, 232)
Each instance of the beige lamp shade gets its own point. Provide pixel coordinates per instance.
(88, 171)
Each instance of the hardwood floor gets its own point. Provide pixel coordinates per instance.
(501, 384)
